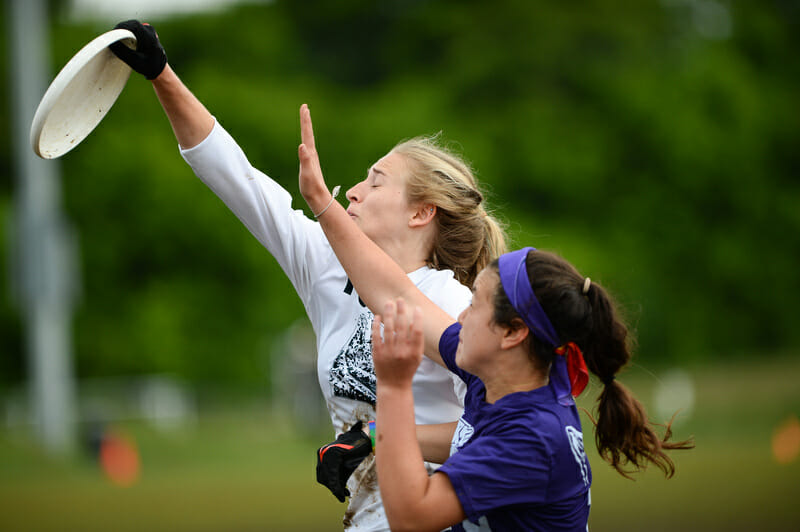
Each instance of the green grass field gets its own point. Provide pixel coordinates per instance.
(244, 469)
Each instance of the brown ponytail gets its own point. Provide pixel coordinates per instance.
(624, 435)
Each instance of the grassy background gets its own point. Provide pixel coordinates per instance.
(246, 468)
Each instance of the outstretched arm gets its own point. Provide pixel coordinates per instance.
(376, 277)
(412, 499)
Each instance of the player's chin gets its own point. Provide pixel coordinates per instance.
(458, 354)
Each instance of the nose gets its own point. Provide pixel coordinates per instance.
(461, 316)
(352, 194)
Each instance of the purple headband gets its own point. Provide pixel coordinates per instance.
(514, 276)
(517, 286)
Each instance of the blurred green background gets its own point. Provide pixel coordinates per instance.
(653, 143)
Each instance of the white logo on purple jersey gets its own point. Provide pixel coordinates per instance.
(463, 433)
(576, 443)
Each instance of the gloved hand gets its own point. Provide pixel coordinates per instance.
(337, 460)
(149, 58)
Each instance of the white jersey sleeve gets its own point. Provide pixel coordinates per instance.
(263, 206)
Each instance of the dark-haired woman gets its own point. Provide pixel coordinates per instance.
(523, 347)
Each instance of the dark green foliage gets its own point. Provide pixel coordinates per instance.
(654, 145)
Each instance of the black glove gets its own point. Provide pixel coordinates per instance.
(337, 460)
(149, 58)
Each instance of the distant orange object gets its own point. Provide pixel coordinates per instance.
(119, 459)
(786, 441)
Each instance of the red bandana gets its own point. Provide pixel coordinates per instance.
(576, 367)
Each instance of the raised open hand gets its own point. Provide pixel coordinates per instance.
(312, 184)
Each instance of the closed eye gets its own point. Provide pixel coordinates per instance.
(376, 176)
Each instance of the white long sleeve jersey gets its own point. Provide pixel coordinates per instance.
(342, 324)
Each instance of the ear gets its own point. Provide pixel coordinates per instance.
(424, 215)
(514, 335)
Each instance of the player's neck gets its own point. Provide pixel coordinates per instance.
(511, 376)
(410, 257)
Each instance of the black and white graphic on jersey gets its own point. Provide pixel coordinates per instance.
(352, 374)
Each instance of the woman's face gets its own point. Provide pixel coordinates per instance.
(480, 337)
(379, 204)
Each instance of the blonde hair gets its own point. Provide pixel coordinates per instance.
(468, 237)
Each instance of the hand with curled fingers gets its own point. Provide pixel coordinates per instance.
(337, 460)
(398, 352)
(149, 57)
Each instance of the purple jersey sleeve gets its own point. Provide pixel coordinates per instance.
(448, 344)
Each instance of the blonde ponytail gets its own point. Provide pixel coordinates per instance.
(468, 238)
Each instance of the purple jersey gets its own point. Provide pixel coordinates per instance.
(517, 464)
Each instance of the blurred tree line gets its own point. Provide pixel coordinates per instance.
(654, 144)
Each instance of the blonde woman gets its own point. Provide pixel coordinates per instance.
(419, 203)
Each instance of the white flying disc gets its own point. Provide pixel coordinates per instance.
(80, 96)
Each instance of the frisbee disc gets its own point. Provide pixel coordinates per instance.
(80, 96)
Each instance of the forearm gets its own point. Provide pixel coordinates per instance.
(377, 278)
(435, 440)
(189, 118)
(402, 476)
(375, 275)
